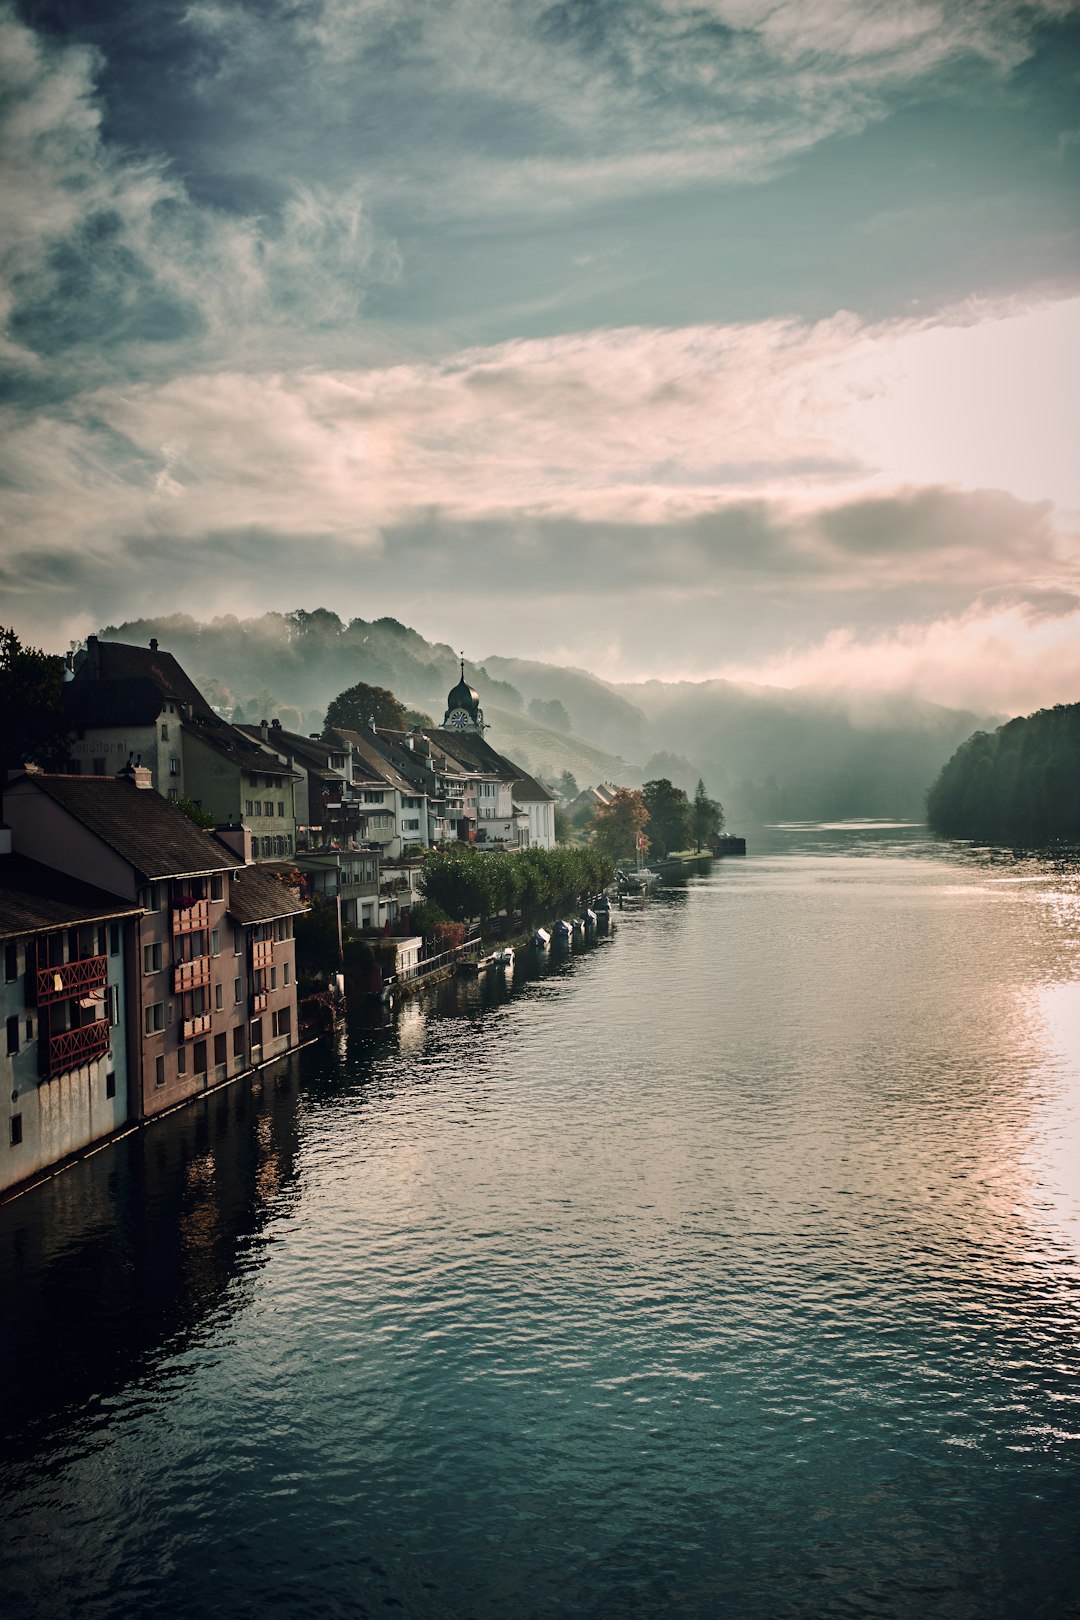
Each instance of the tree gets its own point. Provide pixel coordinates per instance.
(356, 708)
(550, 713)
(706, 816)
(568, 785)
(32, 705)
(195, 812)
(417, 717)
(669, 814)
(618, 825)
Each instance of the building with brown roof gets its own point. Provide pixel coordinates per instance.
(214, 995)
(64, 1077)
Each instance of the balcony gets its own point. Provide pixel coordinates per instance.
(192, 1028)
(191, 919)
(69, 979)
(71, 1048)
(260, 1000)
(262, 953)
(191, 975)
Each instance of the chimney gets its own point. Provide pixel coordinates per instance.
(138, 775)
(235, 836)
(153, 643)
(264, 731)
(275, 725)
(93, 658)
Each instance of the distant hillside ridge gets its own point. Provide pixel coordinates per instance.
(1018, 784)
(767, 753)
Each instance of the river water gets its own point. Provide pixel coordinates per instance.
(728, 1267)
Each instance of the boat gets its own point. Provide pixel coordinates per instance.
(541, 939)
(589, 918)
(504, 957)
(562, 930)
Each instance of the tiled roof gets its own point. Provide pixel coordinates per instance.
(133, 700)
(257, 896)
(483, 757)
(232, 745)
(146, 830)
(34, 899)
(116, 660)
(376, 762)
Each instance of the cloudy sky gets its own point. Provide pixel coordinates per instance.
(667, 337)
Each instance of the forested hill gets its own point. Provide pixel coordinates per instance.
(1018, 784)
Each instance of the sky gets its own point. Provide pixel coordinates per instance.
(667, 338)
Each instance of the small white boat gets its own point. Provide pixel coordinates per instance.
(589, 918)
(562, 930)
(505, 957)
(541, 939)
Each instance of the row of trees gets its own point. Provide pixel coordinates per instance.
(464, 882)
(1020, 783)
(673, 820)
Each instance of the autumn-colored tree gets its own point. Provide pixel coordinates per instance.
(617, 826)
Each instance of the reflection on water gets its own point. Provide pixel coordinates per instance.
(728, 1266)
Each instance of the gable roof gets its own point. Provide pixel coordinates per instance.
(143, 828)
(132, 700)
(482, 757)
(231, 744)
(376, 762)
(35, 899)
(255, 895)
(107, 661)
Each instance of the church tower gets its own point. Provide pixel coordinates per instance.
(463, 711)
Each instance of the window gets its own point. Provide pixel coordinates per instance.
(268, 847)
(238, 994)
(199, 1057)
(248, 807)
(13, 1033)
(285, 972)
(164, 733)
(217, 887)
(238, 1041)
(110, 1085)
(11, 962)
(114, 939)
(114, 1005)
(151, 958)
(16, 1129)
(153, 897)
(215, 942)
(29, 1029)
(98, 767)
(288, 844)
(159, 1071)
(101, 940)
(181, 1060)
(283, 1021)
(281, 807)
(374, 798)
(221, 1054)
(219, 997)
(174, 794)
(258, 807)
(237, 940)
(256, 1033)
(273, 977)
(154, 1018)
(411, 824)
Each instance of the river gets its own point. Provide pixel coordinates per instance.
(727, 1267)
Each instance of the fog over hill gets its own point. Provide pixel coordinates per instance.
(767, 752)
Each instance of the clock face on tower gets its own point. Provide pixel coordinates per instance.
(459, 719)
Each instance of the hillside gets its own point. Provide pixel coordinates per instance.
(1018, 784)
(767, 753)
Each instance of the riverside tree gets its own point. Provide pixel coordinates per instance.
(31, 703)
(468, 883)
(669, 815)
(706, 816)
(618, 826)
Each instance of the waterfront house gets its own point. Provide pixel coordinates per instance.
(68, 952)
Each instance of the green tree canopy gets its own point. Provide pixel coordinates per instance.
(616, 826)
(32, 721)
(1020, 783)
(706, 816)
(355, 709)
(568, 785)
(669, 815)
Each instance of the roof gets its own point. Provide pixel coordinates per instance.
(312, 751)
(115, 660)
(481, 755)
(239, 750)
(143, 828)
(133, 700)
(371, 756)
(257, 896)
(35, 899)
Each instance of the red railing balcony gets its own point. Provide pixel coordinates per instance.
(69, 979)
(191, 919)
(71, 1048)
(260, 1000)
(192, 1028)
(191, 975)
(262, 953)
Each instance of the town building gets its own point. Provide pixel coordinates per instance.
(213, 985)
(68, 951)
